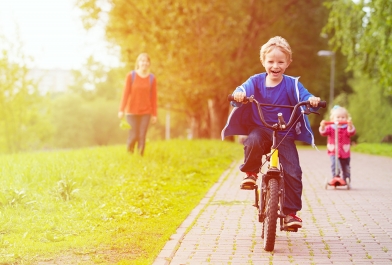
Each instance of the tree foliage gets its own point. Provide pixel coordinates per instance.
(362, 30)
(81, 123)
(94, 80)
(24, 123)
(202, 50)
(370, 110)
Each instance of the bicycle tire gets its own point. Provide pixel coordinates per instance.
(271, 215)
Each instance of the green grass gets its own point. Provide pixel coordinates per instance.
(103, 205)
(383, 149)
(374, 149)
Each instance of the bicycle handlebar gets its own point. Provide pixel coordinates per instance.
(281, 123)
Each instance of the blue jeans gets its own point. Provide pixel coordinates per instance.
(138, 132)
(343, 165)
(257, 144)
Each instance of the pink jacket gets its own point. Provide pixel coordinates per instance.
(343, 139)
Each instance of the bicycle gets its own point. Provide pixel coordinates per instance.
(269, 191)
(337, 180)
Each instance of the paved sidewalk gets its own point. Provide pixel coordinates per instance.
(339, 226)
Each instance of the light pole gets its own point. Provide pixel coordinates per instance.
(332, 80)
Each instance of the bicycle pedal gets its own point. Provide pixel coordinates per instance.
(291, 229)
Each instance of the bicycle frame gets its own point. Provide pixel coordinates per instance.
(274, 171)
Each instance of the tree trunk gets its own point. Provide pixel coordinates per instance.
(218, 117)
(194, 132)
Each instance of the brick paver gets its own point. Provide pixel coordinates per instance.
(339, 226)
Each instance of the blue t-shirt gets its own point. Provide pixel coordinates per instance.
(277, 95)
(290, 91)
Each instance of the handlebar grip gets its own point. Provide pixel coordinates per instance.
(231, 98)
(339, 123)
(322, 104)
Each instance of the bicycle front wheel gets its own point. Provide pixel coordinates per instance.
(271, 214)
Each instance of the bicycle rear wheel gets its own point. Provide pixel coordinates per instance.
(271, 215)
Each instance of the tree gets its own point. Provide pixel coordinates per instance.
(201, 50)
(24, 123)
(362, 30)
(370, 110)
(80, 123)
(94, 80)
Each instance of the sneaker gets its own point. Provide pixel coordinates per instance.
(249, 182)
(292, 221)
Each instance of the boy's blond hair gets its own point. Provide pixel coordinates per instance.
(276, 42)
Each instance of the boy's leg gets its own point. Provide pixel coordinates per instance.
(255, 145)
(288, 157)
(345, 164)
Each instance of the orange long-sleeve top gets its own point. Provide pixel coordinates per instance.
(139, 97)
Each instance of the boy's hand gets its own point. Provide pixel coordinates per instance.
(314, 101)
(239, 96)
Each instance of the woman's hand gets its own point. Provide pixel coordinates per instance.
(120, 114)
(154, 119)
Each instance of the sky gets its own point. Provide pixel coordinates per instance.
(52, 33)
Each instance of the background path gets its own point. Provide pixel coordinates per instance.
(339, 226)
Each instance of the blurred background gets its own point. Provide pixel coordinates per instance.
(63, 64)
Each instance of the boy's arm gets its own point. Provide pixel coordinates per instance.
(304, 95)
(242, 91)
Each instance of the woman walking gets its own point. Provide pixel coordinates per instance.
(139, 103)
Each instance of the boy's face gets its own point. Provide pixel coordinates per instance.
(275, 63)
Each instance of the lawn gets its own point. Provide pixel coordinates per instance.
(103, 205)
(383, 149)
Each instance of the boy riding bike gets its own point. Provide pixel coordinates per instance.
(273, 87)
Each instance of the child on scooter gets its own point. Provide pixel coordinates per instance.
(341, 121)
